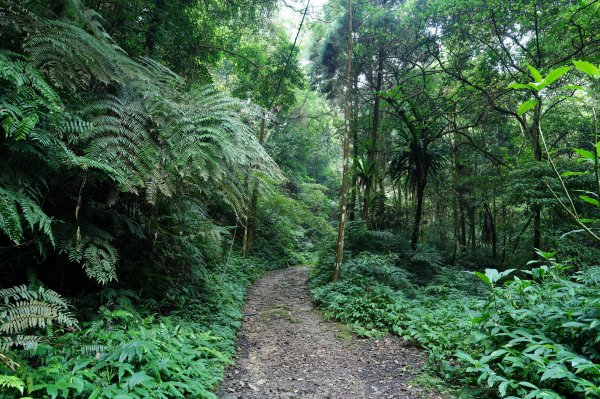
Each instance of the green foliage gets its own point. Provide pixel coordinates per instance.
(362, 302)
(530, 337)
(91, 132)
(360, 238)
(8, 381)
(293, 224)
(133, 351)
(538, 335)
(383, 269)
(26, 311)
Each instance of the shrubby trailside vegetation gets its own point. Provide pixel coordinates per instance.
(126, 162)
(474, 190)
(157, 157)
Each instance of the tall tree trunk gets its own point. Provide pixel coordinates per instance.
(339, 253)
(366, 200)
(472, 229)
(373, 154)
(504, 233)
(490, 228)
(421, 183)
(537, 210)
(250, 228)
(150, 40)
(354, 193)
(537, 152)
(458, 242)
(472, 237)
(494, 230)
(383, 155)
(463, 227)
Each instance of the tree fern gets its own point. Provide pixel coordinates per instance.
(96, 142)
(119, 137)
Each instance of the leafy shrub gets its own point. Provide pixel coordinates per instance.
(381, 268)
(534, 337)
(291, 228)
(424, 263)
(130, 351)
(24, 314)
(538, 337)
(363, 302)
(360, 239)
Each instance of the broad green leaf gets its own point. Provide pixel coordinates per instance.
(553, 76)
(483, 277)
(574, 324)
(502, 388)
(138, 378)
(492, 276)
(590, 200)
(587, 68)
(535, 74)
(544, 254)
(567, 174)
(517, 86)
(528, 384)
(585, 153)
(554, 372)
(465, 356)
(526, 106)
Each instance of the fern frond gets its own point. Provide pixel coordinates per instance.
(10, 217)
(11, 381)
(94, 251)
(25, 310)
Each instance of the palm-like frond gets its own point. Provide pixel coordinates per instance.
(77, 111)
(405, 159)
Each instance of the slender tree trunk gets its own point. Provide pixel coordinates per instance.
(418, 211)
(537, 211)
(463, 227)
(373, 155)
(150, 40)
(366, 200)
(472, 229)
(383, 155)
(537, 152)
(490, 228)
(250, 229)
(339, 253)
(504, 233)
(457, 195)
(354, 193)
(456, 244)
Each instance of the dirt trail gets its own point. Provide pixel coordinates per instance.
(287, 350)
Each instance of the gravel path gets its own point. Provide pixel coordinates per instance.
(287, 350)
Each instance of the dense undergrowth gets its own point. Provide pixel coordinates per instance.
(135, 347)
(127, 171)
(530, 333)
